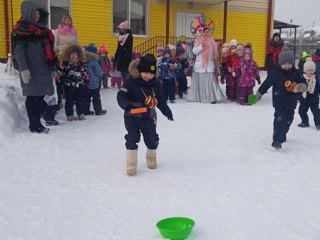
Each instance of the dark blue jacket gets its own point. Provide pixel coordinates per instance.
(131, 95)
(164, 69)
(281, 98)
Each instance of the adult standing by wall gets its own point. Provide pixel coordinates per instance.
(204, 86)
(123, 54)
(65, 34)
(33, 45)
(274, 48)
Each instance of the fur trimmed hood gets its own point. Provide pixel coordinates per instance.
(69, 48)
(92, 55)
(133, 68)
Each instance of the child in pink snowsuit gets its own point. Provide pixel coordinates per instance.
(116, 77)
(248, 73)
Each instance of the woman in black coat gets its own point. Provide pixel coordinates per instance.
(123, 54)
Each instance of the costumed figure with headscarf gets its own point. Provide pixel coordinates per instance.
(204, 85)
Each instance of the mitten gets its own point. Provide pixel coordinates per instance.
(258, 95)
(26, 76)
(169, 116)
(258, 80)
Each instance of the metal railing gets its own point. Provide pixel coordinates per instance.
(150, 46)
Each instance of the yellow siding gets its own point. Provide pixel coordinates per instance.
(93, 21)
(241, 28)
(2, 32)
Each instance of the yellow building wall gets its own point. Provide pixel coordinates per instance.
(93, 21)
(240, 26)
(2, 32)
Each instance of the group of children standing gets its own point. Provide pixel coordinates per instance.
(173, 64)
(239, 71)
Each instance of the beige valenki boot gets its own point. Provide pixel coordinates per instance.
(132, 162)
(151, 157)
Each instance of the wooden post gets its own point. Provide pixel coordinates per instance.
(167, 21)
(225, 21)
(294, 43)
(269, 24)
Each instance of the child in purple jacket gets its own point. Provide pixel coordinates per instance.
(248, 73)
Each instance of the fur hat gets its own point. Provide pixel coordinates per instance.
(286, 56)
(148, 63)
(166, 50)
(309, 64)
(124, 25)
(73, 48)
(91, 48)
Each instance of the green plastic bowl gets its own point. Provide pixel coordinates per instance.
(175, 228)
(252, 99)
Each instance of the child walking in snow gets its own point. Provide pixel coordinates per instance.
(95, 76)
(139, 97)
(247, 72)
(310, 98)
(287, 83)
(75, 76)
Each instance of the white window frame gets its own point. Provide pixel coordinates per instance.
(147, 17)
(48, 6)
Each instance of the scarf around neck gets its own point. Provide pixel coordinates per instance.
(25, 31)
(123, 38)
(311, 82)
(65, 30)
(209, 48)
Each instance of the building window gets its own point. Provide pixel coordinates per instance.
(135, 11)
(56, 9)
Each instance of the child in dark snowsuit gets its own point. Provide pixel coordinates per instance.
(182, 67)
(95, 77)
(139, 97)
(287, 83)
(74, 74)
(310, 98)
(167, 68)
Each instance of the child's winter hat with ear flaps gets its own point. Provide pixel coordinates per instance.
(309, 65)
(148, 64)
(286, 56)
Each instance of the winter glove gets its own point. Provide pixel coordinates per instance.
(26, 76)
(258, 80)
(170, 117)
(258, 95)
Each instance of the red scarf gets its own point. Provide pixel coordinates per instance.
(25, 31)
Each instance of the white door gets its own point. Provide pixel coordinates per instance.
(183, 22)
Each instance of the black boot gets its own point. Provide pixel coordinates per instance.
(303, 125)
(276, 145)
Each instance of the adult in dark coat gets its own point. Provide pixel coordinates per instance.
(274, 48)
(123, 54)
(287, 83)
(32, 44)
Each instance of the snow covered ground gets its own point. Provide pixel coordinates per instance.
(215, 165)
